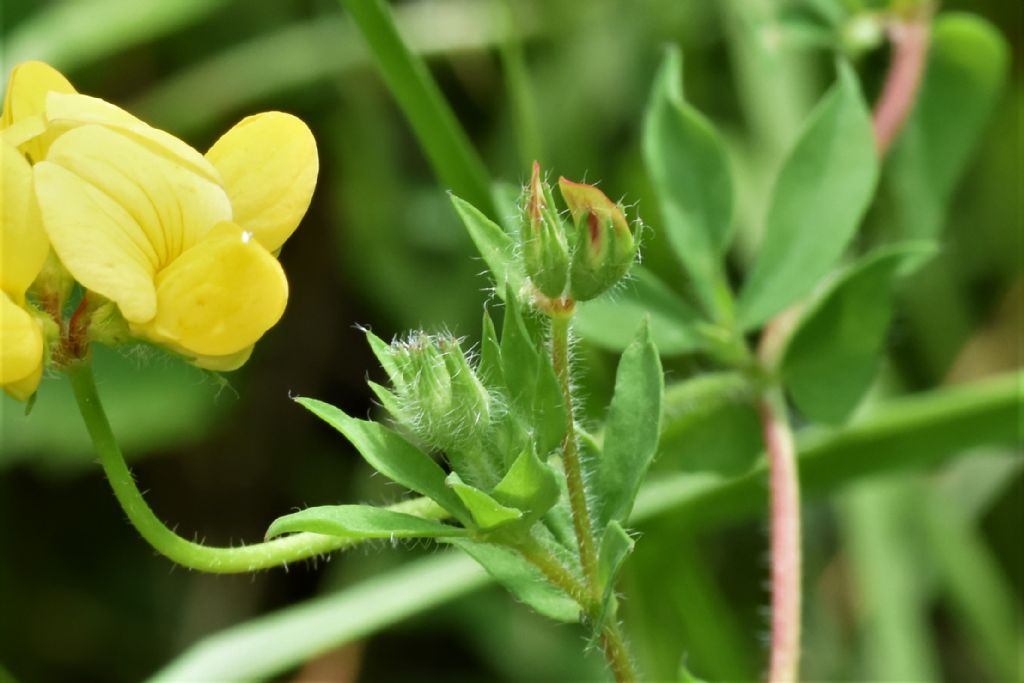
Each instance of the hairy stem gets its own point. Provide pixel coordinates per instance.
(785, 539)
(571, 454)
(910, 40)
(224, 560)
(613, 643)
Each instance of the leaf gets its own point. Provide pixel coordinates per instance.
(836, 349)
(690, 169)
(548, 417)
(494, 245)
(821, 194)
(631, 434)
(610, 321)
(519, 357)
(490, 353)
(529, 485)
(392, 456)
(487, 513)
(361, 521)
(966, 70)
(522, 579)
(616, 545)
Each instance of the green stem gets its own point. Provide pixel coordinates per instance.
(442, 138)
(245, 558)
(571, 454)
(613, 643)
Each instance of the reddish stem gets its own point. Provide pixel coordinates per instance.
(910, 39)
(785, 540)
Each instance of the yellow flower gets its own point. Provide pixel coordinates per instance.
(183, 243)
(23, 243)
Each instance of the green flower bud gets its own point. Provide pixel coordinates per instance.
(603, 247)
(544, 247)
(436, 392)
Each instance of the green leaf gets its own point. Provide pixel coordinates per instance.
(519, 357)
(487, 513)
(821, 194)
(616, 545)
(361, 521)
(392, 456)
(529, 485)
(836, 349)
(490, 353)
(522, 579)
(967, 65)
(610, 321)
(548, 416)
(690, 169)
(631, 434)
(494, 245)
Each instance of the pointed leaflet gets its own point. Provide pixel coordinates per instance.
(494, 245)
(519, 357)
(610, 321)
(836, 349)
(631, 434)
(966, 70)
(522, 579)
(821, 194)
(392, 456)
(361, 521)
(616, 545)
(529, 485)
(487, 513)
(690, 170)
(490, 353)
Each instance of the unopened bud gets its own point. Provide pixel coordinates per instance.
(436, 393)
(545, 250)
(604, 247)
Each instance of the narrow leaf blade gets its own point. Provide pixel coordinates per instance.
(821, 194)
(392, 456)
(631, 435)
(361, 521)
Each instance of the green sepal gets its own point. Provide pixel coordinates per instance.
(488, 514)
(529, 485)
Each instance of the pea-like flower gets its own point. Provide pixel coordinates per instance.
(183, 243)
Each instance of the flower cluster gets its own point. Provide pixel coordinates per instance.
(170, 246)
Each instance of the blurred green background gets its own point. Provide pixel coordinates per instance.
(83, 598)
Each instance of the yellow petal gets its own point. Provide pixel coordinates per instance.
(23, 243)
(68, 111)
(269, 164)
(21, 346)
(117, 213)
(220, 296)
(27, 89)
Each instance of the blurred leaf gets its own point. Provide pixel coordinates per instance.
(611, 320)
(360, 521)
(884, 551)
(836, 349)
(70, 34)
(966, 71)
(723, 437)
(975, 585)
(690, 170)
(522, 579)
(441, 137)
(529, 485)
(822, 191)
(494, 245)
(487, 513)
(631, 432)
(392, 456)
(268, 645)
(154, 400)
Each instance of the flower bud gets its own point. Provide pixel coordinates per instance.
(545, 251)
(436, 393)
(604, 247)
